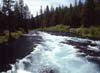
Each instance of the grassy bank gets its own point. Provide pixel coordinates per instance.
(5, 37)
(57, 28)
(92, 32)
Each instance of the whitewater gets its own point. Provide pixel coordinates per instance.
(54, 56)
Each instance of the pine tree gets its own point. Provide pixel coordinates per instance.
(7, 10)
(21, 10)
(75, 16)
(41, 17)
(97, 3)
(33, 22)
(21, 6)
(80, 7)
(46, 17)
(88, 13)
(37, 21)
(26, 17)
(70, 15)
(52, 16)
(17, 15)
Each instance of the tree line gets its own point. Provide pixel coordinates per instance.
(15, 15)
(76, 15)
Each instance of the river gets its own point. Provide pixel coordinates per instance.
(52, 55)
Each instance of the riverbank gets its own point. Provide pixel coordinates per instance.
(17, 49)
(56, 28)
(7, 50)
(4, 38)
(83, 32)
(92, 32)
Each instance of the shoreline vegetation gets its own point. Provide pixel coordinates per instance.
(85, 32)
(4, 38)
(57, 28)
(91, 32)
(81, 18)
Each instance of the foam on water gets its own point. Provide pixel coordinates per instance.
(52, 56)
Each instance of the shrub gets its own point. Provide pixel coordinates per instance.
(58, 28)
(89, 32)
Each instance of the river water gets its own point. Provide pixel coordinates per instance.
(53, 56)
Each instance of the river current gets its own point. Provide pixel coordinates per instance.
(54, 56)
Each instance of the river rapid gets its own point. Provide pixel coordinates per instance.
(51, 55)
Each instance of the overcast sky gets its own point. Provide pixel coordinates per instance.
(34, 5)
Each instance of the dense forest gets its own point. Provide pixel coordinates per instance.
(79, 14)
(15, 15)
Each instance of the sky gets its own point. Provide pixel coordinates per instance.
(34, 5)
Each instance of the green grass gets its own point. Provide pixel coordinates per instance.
(17, 34)
(92, 32)
(4, 38)
(58, 28)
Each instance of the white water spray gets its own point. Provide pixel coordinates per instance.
(52, 56)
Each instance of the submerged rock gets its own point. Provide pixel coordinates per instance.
(48, 70)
